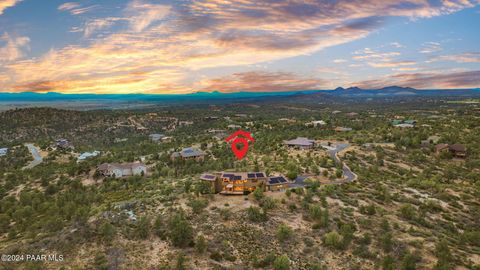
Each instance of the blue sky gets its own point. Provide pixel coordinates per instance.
(148, 46)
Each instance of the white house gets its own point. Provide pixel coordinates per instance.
(87, 155)
(122, 170)
(3, 151)
(316, 123)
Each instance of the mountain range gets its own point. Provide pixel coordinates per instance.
(351, 92)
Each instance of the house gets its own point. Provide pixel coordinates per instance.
(213, 181)
(234, 127)
(342, 129)
(185, 123)
(288, 120)
(189, 153)
(457, 150)
(166, 139)
(440, 148)
(352, 114)
(63, 144)
(122, 170)
(240, 183)
(316, 123)
(425, 144)
(3, 152)
(301, 143)
(156, 137)
(87, 155)
(404, 123)
(277, 183)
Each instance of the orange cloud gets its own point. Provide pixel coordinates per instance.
(427, 80)
(13, 48)
(4, 4)
(161, 45)
(262, 82)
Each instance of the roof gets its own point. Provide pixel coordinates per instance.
(242, 175)
(404, 125)
(458, 147)
(343, 129)
(208, 177)
(89, 154)
(155, 135)
(441, 146)
(112, 166)
(410, 121)
(191, 152)
(301, 141)
(276, 180)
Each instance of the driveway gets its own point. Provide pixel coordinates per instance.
(347, 173)
(37, 159)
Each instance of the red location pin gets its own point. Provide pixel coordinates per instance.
(240, 153)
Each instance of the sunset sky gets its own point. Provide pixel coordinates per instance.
(164, 47)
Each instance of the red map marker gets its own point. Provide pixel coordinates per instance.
(236, 139)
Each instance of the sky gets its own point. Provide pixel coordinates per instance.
(182, 46)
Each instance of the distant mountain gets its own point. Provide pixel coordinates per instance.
(92, 101)
(392, 91)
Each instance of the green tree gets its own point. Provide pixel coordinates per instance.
(180, 230)
(444, 256)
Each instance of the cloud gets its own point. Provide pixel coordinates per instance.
(338, 61)
(393, 64)
(369, 54)
(163, 44)
(92, 26)
(427, 80)
(467, 57)
(75, 8)
(430, 47)
(13, 47)
(260, 81)
(396, 45)
(4, 4)
(143, 14)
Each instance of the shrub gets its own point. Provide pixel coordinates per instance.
(256, 214)
(407, 211)
(142, 229)
(200, 244)
(284, 233)
(332, 239)
(281, 263)
(258, 194)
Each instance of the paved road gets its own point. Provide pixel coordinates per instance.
(332, 151)
(37, 159)
(347, 173)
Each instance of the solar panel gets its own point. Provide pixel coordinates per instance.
(237, 177)
(251, 175)
(260, 175)
(282, 180)
(273, 180)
